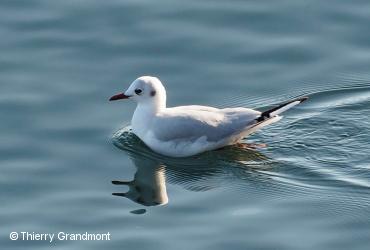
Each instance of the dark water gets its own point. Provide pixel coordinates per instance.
(60, 150)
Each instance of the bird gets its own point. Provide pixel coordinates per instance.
(185, 131)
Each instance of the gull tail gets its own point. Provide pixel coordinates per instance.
(272, 115)
(280, 109)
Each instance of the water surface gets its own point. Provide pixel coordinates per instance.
(62, 143)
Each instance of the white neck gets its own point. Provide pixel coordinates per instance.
(144, 113)
(152, 106)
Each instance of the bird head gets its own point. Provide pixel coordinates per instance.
(144, 90)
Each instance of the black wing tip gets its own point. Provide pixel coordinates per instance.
(266, 114)
(301, 99)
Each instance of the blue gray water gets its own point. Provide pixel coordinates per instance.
(62, 143)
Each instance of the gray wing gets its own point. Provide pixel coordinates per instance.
(191, 123)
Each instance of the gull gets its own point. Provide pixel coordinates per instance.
(189, 130)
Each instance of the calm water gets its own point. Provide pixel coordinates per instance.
(62, 143)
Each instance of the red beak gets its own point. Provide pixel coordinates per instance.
(119, 97)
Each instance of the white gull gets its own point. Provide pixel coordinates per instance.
(189, 130)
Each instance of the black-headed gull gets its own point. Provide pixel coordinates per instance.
(189, 130)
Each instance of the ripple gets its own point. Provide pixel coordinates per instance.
(345, 84)
(212, 169)
(62, 59)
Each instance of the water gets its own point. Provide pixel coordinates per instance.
(60, 149)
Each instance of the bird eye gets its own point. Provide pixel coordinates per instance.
(138, 91)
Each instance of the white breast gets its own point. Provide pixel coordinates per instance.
(141, 121)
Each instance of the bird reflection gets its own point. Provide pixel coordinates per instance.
(148, 186)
